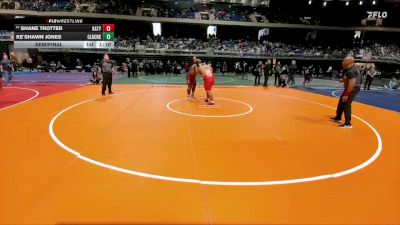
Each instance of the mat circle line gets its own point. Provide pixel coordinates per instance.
(211, 116)
(218, 183)
(27, 100)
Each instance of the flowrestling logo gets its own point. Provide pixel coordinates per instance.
(73, 21)
(377, 15)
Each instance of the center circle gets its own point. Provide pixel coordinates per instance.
(221, 102)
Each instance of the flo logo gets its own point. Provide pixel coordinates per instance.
(377, 15)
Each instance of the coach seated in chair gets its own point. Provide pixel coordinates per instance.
(79, 65)
(60, 67)
(44, 67)
(53, 66)
(393, 85)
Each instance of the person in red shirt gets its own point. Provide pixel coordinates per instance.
(207, 72)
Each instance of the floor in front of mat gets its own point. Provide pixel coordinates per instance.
(13, 95)
(148, 155)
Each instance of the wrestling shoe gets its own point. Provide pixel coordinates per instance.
(211, 103)
(345, 126)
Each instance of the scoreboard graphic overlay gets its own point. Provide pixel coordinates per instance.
(100, 36)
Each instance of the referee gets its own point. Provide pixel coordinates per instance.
(352, 83)
(107, 68)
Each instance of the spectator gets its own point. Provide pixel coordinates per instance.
(30, 63)
(224, 68)
(267, 72)
(244, 71)
(277, 72)
(96, 74)
(78, 65)
(370, 74)
(292, 72)
(284, 76)
(134, 67)
(307, 72)
(60, 67)
(258, 73)
(392, 85)
(6, 70)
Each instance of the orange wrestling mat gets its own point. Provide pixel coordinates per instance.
(147, 155)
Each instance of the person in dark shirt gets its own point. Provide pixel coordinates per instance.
(224, 68)
(79, 65)
(129, 66)
(277, 72)
(370, 73)
(6, 69)
(107, 68)
(53, 66)
(283, 76)
(267, 72)
(30, 63)
(60, 67)
(307, 72)
(135, 68)
(259, 71)
(96, 73)
(352, 82)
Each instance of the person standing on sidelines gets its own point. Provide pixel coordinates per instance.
(371, 72)
(129, 66)
(224, 68)
(107, 68)
(244, 72)
(267, 72)
(352, 82)
(277, 72)
(135, 68)
(292, 72)
(30, 63)
(307, 75)
(6, 69)
(260, 73)
(257, 72)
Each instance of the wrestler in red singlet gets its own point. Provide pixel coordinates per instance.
(207, 72)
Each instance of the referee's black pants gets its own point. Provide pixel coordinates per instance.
(276, 78)
(266, 79)
(257, 79)
(346, 106)
(368, 82)
(135, 72)
(129, 72)
(107, 82)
